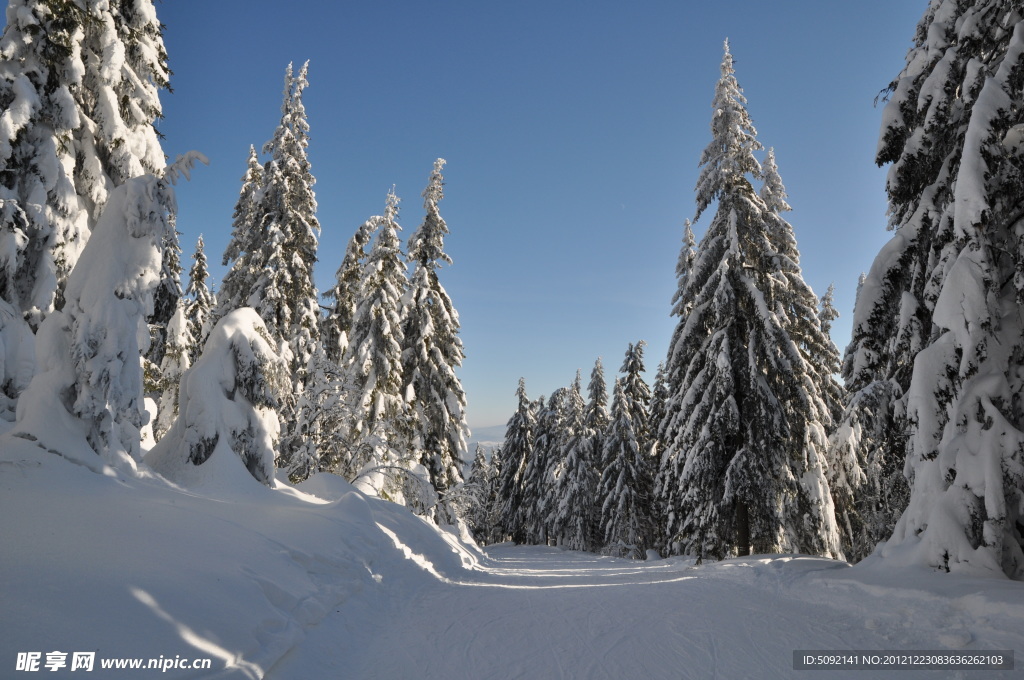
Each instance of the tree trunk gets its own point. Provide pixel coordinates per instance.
(742, 529)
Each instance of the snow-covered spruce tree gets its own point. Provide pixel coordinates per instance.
(517, 450)
(572, 512)
(243, 250)
(431, 351)
(638, 393)
(201, 301)
(542, 470)
(321, 418)
(273, 249)
(937, 330)
(176, 360)
(165, 303)
(17, 358)
(626, 484)
(337, 323)
(90, 350)
(478, 487)
(379, 430)
(743, 466)
(79, 85)
(226, 404)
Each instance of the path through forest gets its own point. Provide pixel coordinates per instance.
(537, 612)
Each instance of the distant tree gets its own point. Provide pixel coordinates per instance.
(744, 463)
(337, 324)
(243, 250)
(626, 484)
(432, 351)
(542, 468)
(201, 302)
(175, 362)
(517, 451)
(572, 503)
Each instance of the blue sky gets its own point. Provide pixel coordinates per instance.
(572, 132)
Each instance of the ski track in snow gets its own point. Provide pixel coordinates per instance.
(537, 612)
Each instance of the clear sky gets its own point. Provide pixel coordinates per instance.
(572, 132)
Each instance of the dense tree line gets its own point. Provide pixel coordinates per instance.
(745, 441)
(364, 387)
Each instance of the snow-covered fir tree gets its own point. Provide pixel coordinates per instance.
(572, 512)
(380, 428)
(79, 86)
(517, 450)
(535, 511)
(638, 393)
(200, 303)
(321, 417)
(273, 249)
(432, 350)
(337, 323)
(227, 403)
(90, 350)
(937, 346)
(626, 484)
(165, 304)
(179, 343)
(479, 486)
(243, 250)
(744, 433)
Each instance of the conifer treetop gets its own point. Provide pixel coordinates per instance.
(730, 155)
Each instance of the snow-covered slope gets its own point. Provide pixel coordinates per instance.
(323, 582)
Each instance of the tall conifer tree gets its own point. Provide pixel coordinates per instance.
(937, 349)
(432, 351)
(744, 463)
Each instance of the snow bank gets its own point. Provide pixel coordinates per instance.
(229, 570)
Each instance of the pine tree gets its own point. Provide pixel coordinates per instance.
(626, 483)
(165, 303)
(479, 484)
(175, 362)
(432, 351)
(572, 508)
(273, 249)
(337, 324)
(379, 430)
(91, 348)
(517, 451)
(79, 88)
(535, 511)
(321, 417)
(937, 336)
(227, 403)
(243, 250)
(743, 465)
(199, 308)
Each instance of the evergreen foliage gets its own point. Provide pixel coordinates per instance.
(573, 513)
(626, 483)
(337, 324)
(936, 331)
(380, 428)
(517, 451)
(432, 351)
(744, 433)
(201, 302)
(79, 90)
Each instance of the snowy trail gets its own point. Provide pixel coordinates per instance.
(535, 612)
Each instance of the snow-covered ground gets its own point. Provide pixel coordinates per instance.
(323, 582)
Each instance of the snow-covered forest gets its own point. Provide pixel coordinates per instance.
(176, 458)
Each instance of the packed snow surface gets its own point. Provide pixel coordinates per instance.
(323, 582)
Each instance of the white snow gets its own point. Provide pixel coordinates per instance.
(323, 582)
